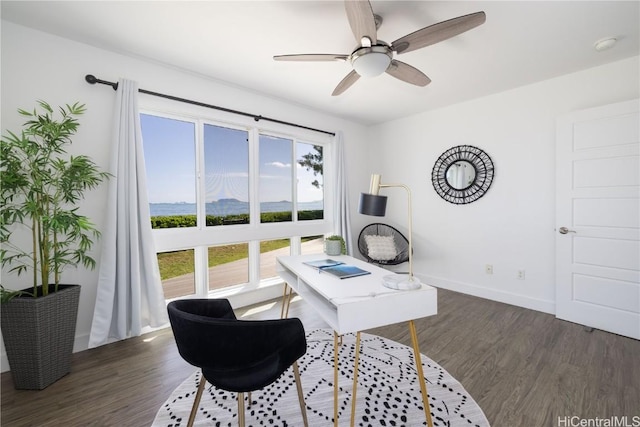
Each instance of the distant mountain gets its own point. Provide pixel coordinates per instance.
(230, 206)
(231, 200)
(225, 207)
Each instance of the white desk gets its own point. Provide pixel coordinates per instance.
(355, 304)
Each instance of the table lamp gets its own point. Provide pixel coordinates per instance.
(376, 205)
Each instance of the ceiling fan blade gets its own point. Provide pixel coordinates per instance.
(438, 32)
(346, 83)
(361, 20)
(311, 57)
(407, 73)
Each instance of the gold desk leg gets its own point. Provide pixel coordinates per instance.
(284, 300)
(423, 384)
(286, 313)
(355, 380)
(335, 378)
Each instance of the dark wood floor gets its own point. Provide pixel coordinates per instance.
(524, 368)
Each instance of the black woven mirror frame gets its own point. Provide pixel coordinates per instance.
(483, 169)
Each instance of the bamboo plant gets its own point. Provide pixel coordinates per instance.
(41, 188)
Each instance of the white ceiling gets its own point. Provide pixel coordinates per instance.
(234, 41)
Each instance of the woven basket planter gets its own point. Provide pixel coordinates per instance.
(38, 336)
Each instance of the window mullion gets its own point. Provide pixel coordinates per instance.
(254, 204)
(254, 262)
(296, 248)
(200, 176)
(294, 180)
(201, 253)
(254, 177)
(201, 271)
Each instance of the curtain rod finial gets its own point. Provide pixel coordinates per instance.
(91, 79)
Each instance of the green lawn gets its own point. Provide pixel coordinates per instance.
(177, 263)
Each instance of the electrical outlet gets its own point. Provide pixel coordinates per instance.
(488, 269)
(520, 275)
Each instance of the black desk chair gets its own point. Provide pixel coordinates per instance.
(236, 355)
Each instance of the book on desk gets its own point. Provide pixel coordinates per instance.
(323, 263)
(337, 268)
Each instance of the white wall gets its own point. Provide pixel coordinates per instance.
(36, 66)
(512, 226)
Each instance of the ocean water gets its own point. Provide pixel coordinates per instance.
(228, 207)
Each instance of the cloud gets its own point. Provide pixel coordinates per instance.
(279, 165)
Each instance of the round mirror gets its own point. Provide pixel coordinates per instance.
(461, 175)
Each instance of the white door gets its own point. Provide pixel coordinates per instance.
(598, 218)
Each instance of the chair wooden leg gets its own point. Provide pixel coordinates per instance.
(303, 407)
(241, 409)
(196, 402)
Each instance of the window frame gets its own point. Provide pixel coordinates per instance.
(200, 237)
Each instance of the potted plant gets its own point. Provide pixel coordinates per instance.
(335, 245)
(42, 233)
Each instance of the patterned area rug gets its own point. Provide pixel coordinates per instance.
(388, 391)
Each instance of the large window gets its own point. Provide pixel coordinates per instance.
(228, 265)
(310, 181)
(226, 173)
(170, 156)
(225, 199)
(269, 250)
(177, 273)
(276, 175)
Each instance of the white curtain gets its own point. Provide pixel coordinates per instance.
(342, 222)
(130, 295)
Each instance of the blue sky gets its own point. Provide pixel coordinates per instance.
(170, 158)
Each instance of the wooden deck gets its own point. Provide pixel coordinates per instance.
(235, 272)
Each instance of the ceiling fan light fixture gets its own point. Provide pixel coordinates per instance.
(373, 57)
(371, 62)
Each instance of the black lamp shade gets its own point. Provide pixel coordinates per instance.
(373, 205)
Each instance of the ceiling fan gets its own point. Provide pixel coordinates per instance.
(372, 56)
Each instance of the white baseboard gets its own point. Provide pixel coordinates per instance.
(545, 306)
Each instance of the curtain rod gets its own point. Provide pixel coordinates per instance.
(91, 79)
